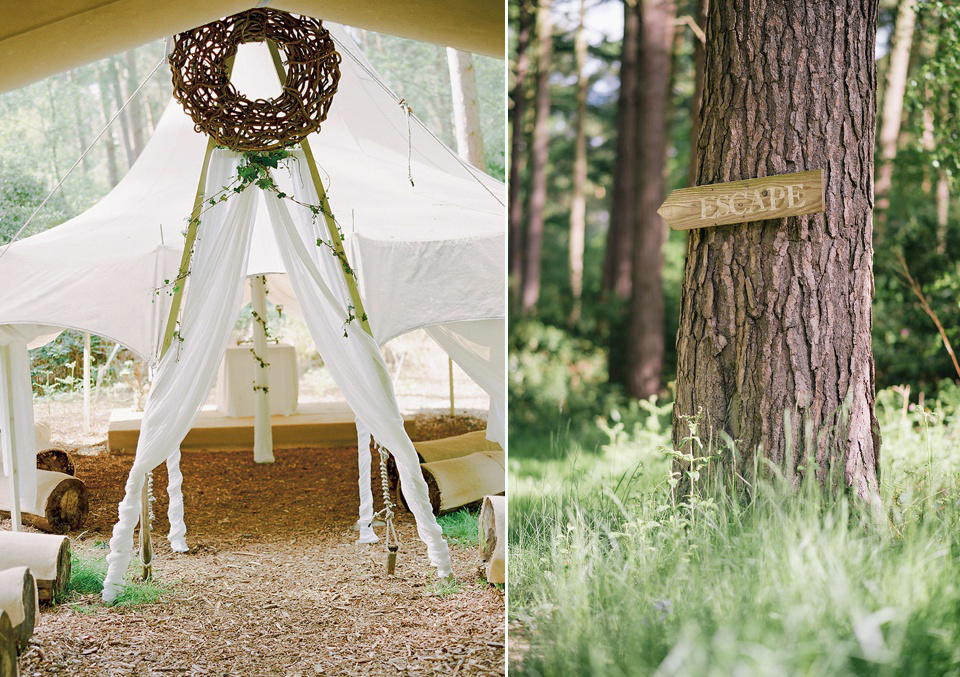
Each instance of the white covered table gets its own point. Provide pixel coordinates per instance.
(235, 394)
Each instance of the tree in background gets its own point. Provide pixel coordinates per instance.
(516, 196)
(466, 110)
(533, 245)
(776, 315)
(646, 339)
(578, 202)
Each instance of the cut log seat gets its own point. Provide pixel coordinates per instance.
(8, 647)
(62, 503)
(18, 597)
(47, 556)
(493, 538)
(463, 482)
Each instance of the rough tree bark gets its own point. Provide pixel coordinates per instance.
(698, 54)
(530, 289)
(617, 280)
(893, 102)
(518, 145)
(646, 342)
(776, 315)
(578, 202)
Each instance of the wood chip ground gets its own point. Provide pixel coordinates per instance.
(275, 583)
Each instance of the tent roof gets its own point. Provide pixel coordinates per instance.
(38, 39)
(426, 254)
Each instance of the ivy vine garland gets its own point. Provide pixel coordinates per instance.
(202, 85)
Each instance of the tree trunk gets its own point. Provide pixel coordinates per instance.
(943, 210)
(126, 135)
(466, 110)
(646, 343)
(578, 204)
(698, 51)
(776, 315)
(493, 538)
(530, 291)
(18, 597)
(113, 171)
(8, 646)
(136, 106)
(893, 102)
(518, 146)
(618, 258)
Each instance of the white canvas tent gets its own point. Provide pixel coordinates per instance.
(428, 255)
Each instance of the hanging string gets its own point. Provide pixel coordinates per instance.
(81, 158)
(409, 111)
(471, 170)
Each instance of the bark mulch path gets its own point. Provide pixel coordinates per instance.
(275, 583)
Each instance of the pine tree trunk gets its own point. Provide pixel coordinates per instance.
(578, 203)
(136, 106)
(618, 258)
(698, 54)
(776, 315)
(518, 146)
(115, 89)
(616, 266)
(893, 101)
(530, 290)
(466, 110)
(646, 342)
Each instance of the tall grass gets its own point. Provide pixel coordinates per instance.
(611, 575)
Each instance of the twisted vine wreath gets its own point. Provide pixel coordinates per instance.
(201, 82)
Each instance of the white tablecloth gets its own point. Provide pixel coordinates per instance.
(235, 394)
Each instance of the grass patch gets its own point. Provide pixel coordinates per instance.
(611, 575)
(445, 587)
(88, 569)
(461, 527)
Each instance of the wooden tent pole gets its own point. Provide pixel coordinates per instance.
(335, 239)
(86, 383)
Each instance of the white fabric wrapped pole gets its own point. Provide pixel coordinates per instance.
(364, 524)
(262, 430)
(16, 414)
(354, 361)
(187, 372)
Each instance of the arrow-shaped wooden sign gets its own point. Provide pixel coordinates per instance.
(771, 197)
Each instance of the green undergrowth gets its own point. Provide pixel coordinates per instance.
(611, 574)
(461, 528)
(88, 569)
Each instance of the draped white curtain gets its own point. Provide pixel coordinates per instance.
(351, 355)
(479, 348)
(188, 370)
(186, 374)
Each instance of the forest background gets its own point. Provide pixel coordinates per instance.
(582, 315)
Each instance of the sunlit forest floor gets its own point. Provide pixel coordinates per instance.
(611, 574)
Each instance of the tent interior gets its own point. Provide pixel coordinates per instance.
(422, 230)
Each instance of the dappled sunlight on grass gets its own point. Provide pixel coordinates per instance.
(611, 574)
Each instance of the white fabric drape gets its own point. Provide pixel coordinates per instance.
(16, 402)
(187, 372)
(367, 534)
(353, 358)
(479, 348)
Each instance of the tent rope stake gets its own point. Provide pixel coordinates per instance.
(387, 512)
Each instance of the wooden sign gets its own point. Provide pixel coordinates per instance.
(772, 197)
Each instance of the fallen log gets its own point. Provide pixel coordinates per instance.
(493, 538)
(63, 503)
(48, 558)
(8, 647)
(463, 482)
(18, 597)
(54, 460)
